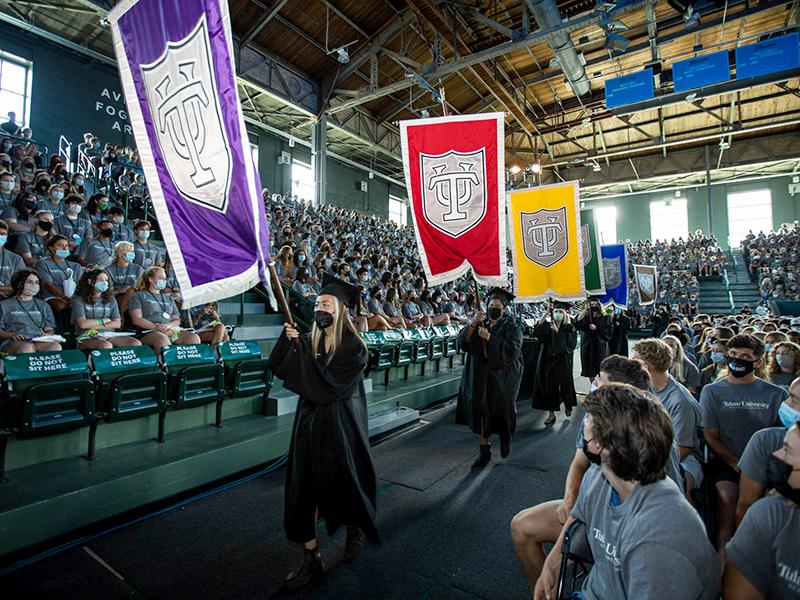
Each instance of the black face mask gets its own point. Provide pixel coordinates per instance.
(739, 367)
(593, 457)
(495, 313)
(784, 471)
(30, 204)
(106, 233)
(45, 225)
(323, 319)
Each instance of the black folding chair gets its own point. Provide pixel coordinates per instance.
(576, 560)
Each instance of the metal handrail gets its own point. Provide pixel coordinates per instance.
(43, 148)
(65, 152)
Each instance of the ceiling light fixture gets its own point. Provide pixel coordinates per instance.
(515, 169)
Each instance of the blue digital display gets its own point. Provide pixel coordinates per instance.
(628, 89)
(770, 56)
(701, 71)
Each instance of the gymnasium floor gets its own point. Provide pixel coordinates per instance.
(445, 529)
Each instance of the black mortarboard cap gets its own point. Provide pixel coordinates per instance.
(502, 294)
(348, 293)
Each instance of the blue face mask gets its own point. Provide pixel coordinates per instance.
(143, 234)
(62, 253)
(101, 286)
(768, 348)
(130, 256)
(718, 357)
(788, 415)
(3, 240)
(161, 284)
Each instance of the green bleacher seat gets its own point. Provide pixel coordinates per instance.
(247, 372)
(421, 353)
(381, 355)
(48, 393)
(403, 353)
(450, 340)
(130, 385)
(438, 342)
(194, 377)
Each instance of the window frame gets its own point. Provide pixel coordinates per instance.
(24, 119)
(767, 227)
(403, 214)
(668, 202)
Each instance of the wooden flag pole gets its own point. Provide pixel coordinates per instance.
(276, 283)
(480, 309)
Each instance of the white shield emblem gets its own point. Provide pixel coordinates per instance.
(586, 244)
(454, 190)
(647, 283)
(545, 237)
(612, 272)
(187, 118)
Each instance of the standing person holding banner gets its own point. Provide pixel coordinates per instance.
(553, 384)
(330, 473)
(490, 383)
(596, 329)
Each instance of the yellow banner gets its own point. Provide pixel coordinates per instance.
(546, 225)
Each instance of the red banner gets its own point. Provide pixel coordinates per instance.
(455, 176)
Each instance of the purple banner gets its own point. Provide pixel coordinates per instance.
(176, 64)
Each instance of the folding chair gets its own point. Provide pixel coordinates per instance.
(576, 560)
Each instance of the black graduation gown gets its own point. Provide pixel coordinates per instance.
(553, 384)
(490, 382)
(618, 344)
(594, 344)
(330, 468)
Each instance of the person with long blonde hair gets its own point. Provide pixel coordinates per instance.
(682, 369)
(784, 364)
(330, 474)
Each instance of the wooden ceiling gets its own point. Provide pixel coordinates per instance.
(545, 119)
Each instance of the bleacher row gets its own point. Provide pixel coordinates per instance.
(49, 393)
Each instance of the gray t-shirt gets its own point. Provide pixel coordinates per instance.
(156, 308)
(30, 317)
(629, 539)
(10, 263)
(98, 252)
(374, 307)
(738, 410)
(123, 277)
(98, 309)
(782, 379)
(56, 209)
(410, 309)
(691, 374)
(70, 228)
(758, 453)
(58, 272)
(684, 411)
(30, 243)
(147, 255)
(765, 548)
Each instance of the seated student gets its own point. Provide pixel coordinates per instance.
(19, 215)
(716, 368)
(427, 306)
(376, 320)
(207, 315)
(10, 263)
(59, 278)
(95, 309)
(784, 364)
(124, 274)
(718, 333)
(764, 561)
(97, 209)
(301, 284)
(412, 314)
(391, 309)
(638, 552)
(155, 314)
(71, 226)
(8, 185)
(758, 465)
(51, 201)
(121, 230)
(32, 246)
(733, 408)
(542, 523)
(147, 255)
(683, 409)
(99, 252)
(23, 317)
(682, 368)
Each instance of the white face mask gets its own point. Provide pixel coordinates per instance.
(6, 186)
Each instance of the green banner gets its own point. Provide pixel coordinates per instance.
(592, 261)
(189, 354)
(118, 360)
(43, 365)
(239, 349)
